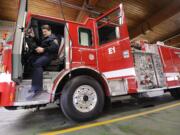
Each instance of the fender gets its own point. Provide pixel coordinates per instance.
(64, 73)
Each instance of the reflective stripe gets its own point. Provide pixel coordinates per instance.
(172, 76)
(120, 73)
(5, 77)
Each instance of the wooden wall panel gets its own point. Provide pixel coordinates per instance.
(47, 8)
(8, 9)
(136, 11)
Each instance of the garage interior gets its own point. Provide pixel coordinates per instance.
(150, 20)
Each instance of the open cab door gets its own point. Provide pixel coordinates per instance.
(11, 71)
(114, 51)
(115, 59)
(17, 68)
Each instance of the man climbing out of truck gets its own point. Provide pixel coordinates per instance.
(45, 52)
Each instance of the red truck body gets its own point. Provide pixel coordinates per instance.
(119, 67)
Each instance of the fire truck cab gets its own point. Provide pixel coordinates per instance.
(96, 62)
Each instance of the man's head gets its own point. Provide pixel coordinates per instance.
(46, 30)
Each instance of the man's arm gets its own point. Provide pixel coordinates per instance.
(53, 48)
(31, 42)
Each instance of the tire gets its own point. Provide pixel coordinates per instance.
(82, 99)
(175, 93)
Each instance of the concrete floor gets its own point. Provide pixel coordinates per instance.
(28, 122)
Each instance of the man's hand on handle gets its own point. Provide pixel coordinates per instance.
(39, 50)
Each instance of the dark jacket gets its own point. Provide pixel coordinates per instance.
(50, 44)
(32, 43)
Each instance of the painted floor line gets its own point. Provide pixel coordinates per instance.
(110, 121)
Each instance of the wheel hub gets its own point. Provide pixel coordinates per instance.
(85, 98)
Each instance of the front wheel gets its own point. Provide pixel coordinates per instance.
(82, 99)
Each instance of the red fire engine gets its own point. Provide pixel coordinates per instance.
(96, 62)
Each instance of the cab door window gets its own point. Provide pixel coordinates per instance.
(85, 37)
(108, 34)
(108, 27)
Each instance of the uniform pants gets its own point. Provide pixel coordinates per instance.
(37, 76)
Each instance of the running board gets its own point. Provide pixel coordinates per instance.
(30, 103)
(41, 98)
(151, 94)
(23, 94)
(151, 90)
